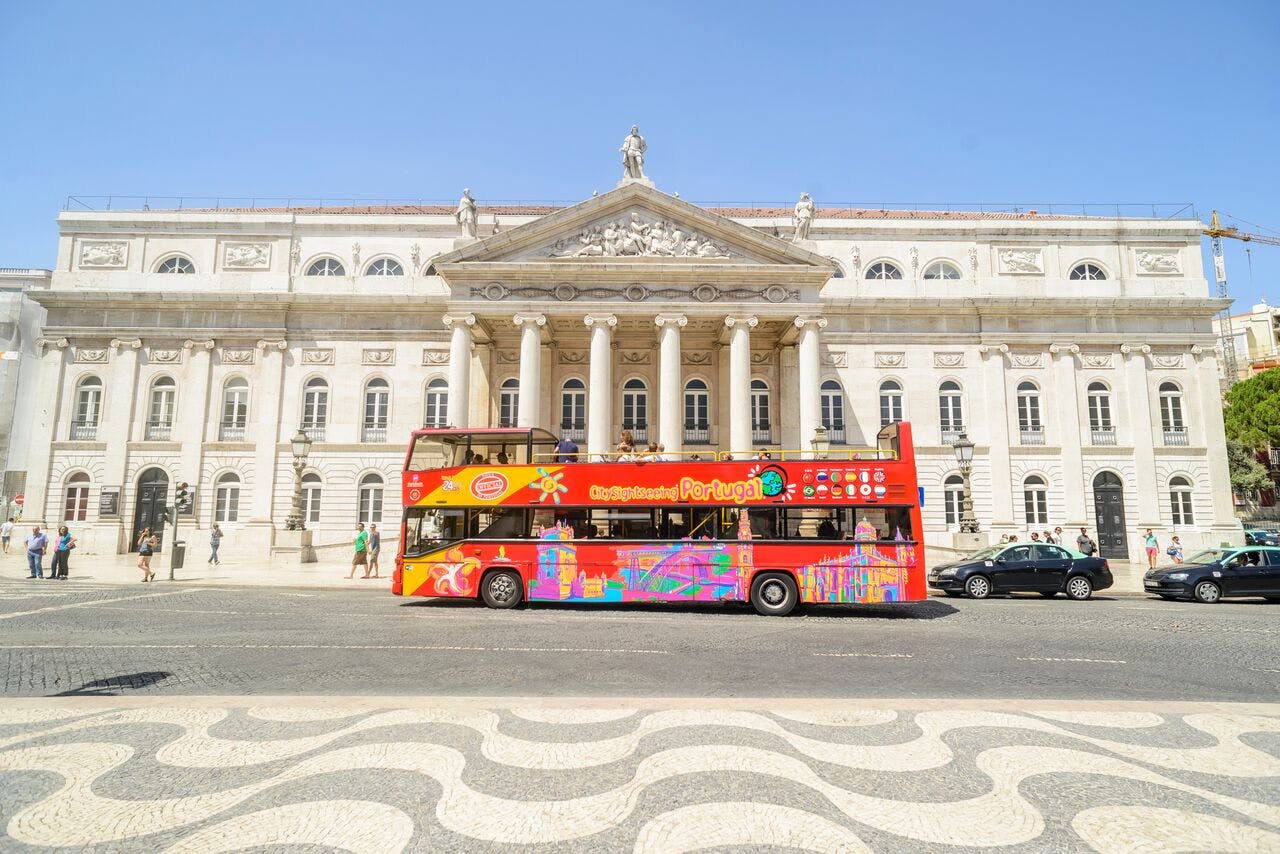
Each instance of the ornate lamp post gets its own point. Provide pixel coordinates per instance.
(821, 443)
(964, 456)
(301, 447)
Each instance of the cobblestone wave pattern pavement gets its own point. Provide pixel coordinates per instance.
(202, 778)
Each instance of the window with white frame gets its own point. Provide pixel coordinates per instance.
(950, 410)
(1030, 427)
(88, 412)
(311, 487)
(384, 267)
(326, 267)
(884, 270)
(315, 408)
(830, 410)
(75, 506)
(1100, 406)
(509, 402)
(436, 410)
(635, 405)
(697, 405)
(176, 264)
(1087, 273)
(1171, 408)
(377, 410)
(761, 425)
(890, 402)
(235, 410)
(1035, 500)
(953, 499)
(371, 486)
(160, 415)
(1180, 501)
(226, 498)
(942, 270)
(573, 407)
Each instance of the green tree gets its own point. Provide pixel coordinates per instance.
(1247, 474)
(1252, 415)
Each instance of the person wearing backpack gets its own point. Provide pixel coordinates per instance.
(1085, 544)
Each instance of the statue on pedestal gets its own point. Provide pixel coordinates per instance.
(466, 214)
(803, 217)
(633, 149)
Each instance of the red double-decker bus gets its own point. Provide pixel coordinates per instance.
(496, 514)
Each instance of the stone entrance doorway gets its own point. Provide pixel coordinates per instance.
(1108, 509)
(148, 510)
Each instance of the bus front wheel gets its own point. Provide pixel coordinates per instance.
(501, 589)
(774, 594)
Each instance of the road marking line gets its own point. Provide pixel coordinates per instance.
(338, 646)
(1077, 660)
(96, 602)
(1265, 669)
(863, 654)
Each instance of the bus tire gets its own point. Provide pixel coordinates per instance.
(774, 594)
(501, 588)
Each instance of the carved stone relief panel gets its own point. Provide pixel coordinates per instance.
(1100, 361)
(891, 360)
(1172, 361)
(165, 355)
(1157, 262)
(1022, 262)
(1026, 360)
(378, 356)
(317, 356)
(948, 360)
(237, 355)
(435, 357)
(571, 357)
(246, 256)
(836, 360)
(761, 358)
(91, 355)
(507, 357)
(639, 235)
(634, 357)
(104, 253)
(703, 358)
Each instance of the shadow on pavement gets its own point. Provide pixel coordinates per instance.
(113, 685)
(925, 610)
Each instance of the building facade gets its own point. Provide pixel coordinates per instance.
(1256, 337)
(21, 319)
(1077, 353)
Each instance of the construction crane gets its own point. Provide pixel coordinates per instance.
(1216, 231)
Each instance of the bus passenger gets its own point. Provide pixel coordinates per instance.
(662, 454)
(566, 450)
(502, 458)
(826, 529)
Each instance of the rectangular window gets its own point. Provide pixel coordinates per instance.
(227, 504)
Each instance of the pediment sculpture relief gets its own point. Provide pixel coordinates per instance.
(637, 236)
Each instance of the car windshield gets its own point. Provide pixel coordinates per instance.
(1208, 556)
(988, 552)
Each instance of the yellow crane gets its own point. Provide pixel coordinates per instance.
(1216, 231)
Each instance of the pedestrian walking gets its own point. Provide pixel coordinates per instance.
(215, 540)
(361, 556)
(147, 544)
(375, 546)
(1035, 537)
(1059, 538)
(1004, 538)
(6, 533)
(1175, 550)
(1153, 548)
(37, 542)
(62, 553)
(1085, 544)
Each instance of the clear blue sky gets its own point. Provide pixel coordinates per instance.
(745, 102)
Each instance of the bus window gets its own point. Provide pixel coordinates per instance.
(502, 523)
(427, 529)
(764, 522)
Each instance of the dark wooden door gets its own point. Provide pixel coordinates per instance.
(148, 511)
(1108, 509)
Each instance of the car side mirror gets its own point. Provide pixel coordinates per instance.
(1000, 559)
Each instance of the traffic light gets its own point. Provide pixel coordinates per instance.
(182, 498)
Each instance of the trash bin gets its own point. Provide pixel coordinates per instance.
(179, 554)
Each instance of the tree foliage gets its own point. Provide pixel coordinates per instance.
(1252, 415)
(1247, 474)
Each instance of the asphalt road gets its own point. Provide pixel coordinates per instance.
(60, 639)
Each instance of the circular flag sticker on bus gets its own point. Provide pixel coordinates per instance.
(489, 486)
(415, 494)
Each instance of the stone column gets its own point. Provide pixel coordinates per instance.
(460, 368)
(529, 413)
(193, 416)
(266, 433)
(670, 432)
(1066, 384)
(1004, 517)
(809, 370)
(120, 397)
(1224, 527)
(600, 394)
(740, 382)
(1144, 487)
(53, 363)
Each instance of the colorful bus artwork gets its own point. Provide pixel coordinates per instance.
(776, 532)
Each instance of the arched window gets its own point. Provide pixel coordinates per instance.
(508, 402)
(1030, 426)
(950, 410)
(1035, 500)
(1087, 272)
(697, 413)
(1175, 429)
(326, 267)
(953, 499)
(635, 408)
(942, 270)
(890, 402)
(831, 410)
(377, 410)
(573, 409)
(84, 424)
(75, 507)
(384, 267)
(235, 410)
(436, 411)
(226, 498)
(176, 264)
(1180, 501)
(1101, 427)
(315, 408)
(761, 426)
(311, 486)
(160, 414)
(371, 499)
(883, 270)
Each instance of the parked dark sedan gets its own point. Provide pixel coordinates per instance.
(1261, 537)
(1023, 567)
(1215, 574)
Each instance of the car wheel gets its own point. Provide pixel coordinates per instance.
(1079, 588)
(1048, 594)
(773, 594)
(1208, 592)
(501, 589)
(978, 587)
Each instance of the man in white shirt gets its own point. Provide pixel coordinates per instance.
(6, 533)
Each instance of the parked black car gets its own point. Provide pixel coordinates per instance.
(1261, 537)
(1215, 574)
(1023, 567)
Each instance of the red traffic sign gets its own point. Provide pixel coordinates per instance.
(20, 499)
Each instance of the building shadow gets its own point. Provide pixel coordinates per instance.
(113, 685)
(925, 610)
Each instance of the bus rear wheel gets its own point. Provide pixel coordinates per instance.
(774, 594)
(501, 589)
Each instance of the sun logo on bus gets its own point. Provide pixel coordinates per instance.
(549, 485)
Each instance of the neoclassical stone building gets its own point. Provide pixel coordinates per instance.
(191, 344)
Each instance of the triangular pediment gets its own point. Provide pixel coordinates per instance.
(633, 224)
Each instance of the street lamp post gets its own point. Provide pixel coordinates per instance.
(821, 443)
(964, 456)
(301, 447)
